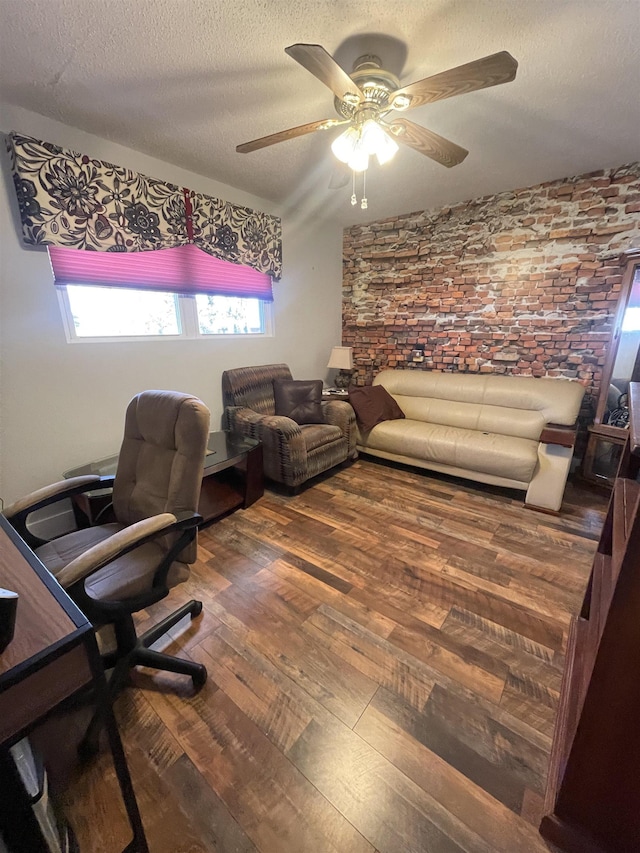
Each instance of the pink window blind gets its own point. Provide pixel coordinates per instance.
(183, 269)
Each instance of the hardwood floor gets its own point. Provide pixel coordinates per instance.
(385, 652)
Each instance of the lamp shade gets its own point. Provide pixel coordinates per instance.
(341, 358)
(343, 145)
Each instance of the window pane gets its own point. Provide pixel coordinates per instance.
(631, 320)
(110, 312)
(229, 315)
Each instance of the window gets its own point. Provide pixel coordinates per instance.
(105, 313)
(179, 292)
(229, 315)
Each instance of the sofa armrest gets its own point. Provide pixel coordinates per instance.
(565, 436)
(339, 413)
(547, 485)
(284, 451)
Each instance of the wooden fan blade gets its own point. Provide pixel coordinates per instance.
(427, 142)
(291, 133)
(479, 74)
(322, 65)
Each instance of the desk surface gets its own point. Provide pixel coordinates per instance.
(52, 656)
(45, 618)
(47, 660)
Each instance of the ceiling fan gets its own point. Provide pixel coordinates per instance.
(366, 99)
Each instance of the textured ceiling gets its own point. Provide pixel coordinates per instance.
(188, 80)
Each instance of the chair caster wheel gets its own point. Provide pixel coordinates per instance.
(200, 677)
(196, 609)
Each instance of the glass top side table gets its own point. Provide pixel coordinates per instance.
(232, 477)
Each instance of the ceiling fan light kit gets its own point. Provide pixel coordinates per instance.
(356, 144)
(365, 98)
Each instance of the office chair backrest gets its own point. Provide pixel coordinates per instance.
(161, 458)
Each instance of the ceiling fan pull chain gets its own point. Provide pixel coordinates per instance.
(364, 204)
(354, 200)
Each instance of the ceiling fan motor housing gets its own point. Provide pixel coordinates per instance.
(375, 82)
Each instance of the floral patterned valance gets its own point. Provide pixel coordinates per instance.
(71, 200)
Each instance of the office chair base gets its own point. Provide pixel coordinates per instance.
(139, 654)
(192, 608)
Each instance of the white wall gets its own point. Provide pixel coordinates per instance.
(63, 404)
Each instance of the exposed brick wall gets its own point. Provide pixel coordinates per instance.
(519, 282)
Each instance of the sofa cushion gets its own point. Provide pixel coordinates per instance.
(373, 404)
(299, 399)
(485, 452)
(476, 416)
(550, 400)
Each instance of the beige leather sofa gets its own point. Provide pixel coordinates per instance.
(503, 430)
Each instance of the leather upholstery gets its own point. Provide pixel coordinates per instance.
(125, 577)
(485, 452)
(556, 400)
(119, 568)
(484, 427)
(299, 399)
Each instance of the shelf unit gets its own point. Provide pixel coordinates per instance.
(592, 802)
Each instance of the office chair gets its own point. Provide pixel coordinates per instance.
(116, 569)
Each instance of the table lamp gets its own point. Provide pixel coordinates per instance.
(342, 359)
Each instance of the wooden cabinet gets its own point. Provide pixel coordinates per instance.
(592, 802)
(603, 453)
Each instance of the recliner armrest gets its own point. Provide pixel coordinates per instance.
(284, 448)
(251, 423)
(241, 419)
(341, 414)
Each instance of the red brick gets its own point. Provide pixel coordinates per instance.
(429, 277)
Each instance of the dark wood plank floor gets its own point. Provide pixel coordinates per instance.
(385, 653)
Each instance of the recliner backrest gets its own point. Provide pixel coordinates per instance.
(252, 387)
(161, 459)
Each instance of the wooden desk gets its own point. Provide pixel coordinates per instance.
(52, 656)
